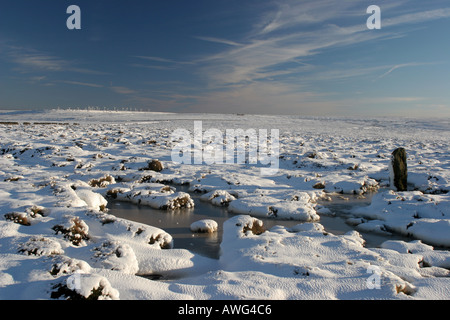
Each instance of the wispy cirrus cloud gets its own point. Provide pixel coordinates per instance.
(398, 66)
(276, 42)
(291, 14)
(262, 56)
(163, 60)
(28, 60)
(284, 62)
(283, 39)
(417, 17)
(154, 67)
(271, 64)
(159, 63)
(123, 90)
(38, 61)
(85, 84)
(157, 59)
(219, 40)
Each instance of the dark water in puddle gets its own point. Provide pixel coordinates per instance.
(177, 222)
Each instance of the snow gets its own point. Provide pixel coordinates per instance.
(57, 236)
(218, 197)
(412, 213)
(93, 200)
(267, 206)
(159, 199)
(204, 225)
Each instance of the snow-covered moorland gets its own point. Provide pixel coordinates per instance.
(59, 169)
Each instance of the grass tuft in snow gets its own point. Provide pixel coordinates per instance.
(18, 217)
(162, 240)
(102, 182)
(26, 218)
(91, 287)
(40, 246)
(257, 227)
(75, 230)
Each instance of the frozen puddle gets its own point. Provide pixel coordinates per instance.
(177, 222)
(336, 222)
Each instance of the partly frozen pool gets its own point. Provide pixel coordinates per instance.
(177, 222)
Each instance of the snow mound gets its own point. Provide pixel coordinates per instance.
(64, 265)
(156, 196)
(204, 226)
(218, 197)
(299, 208)
(116, 256)
(422, 216)
(85, 286)
(92, 199)
(41, 246)
(79, 194)
(303, 259)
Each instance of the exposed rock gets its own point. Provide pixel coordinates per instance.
(154, 165)
(319, 185)
(399, 170)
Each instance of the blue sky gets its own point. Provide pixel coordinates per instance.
(228, 56)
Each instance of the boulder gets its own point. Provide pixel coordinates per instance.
(399, 169)
(155, 165)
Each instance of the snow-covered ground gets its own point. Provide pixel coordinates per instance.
(59, 169)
